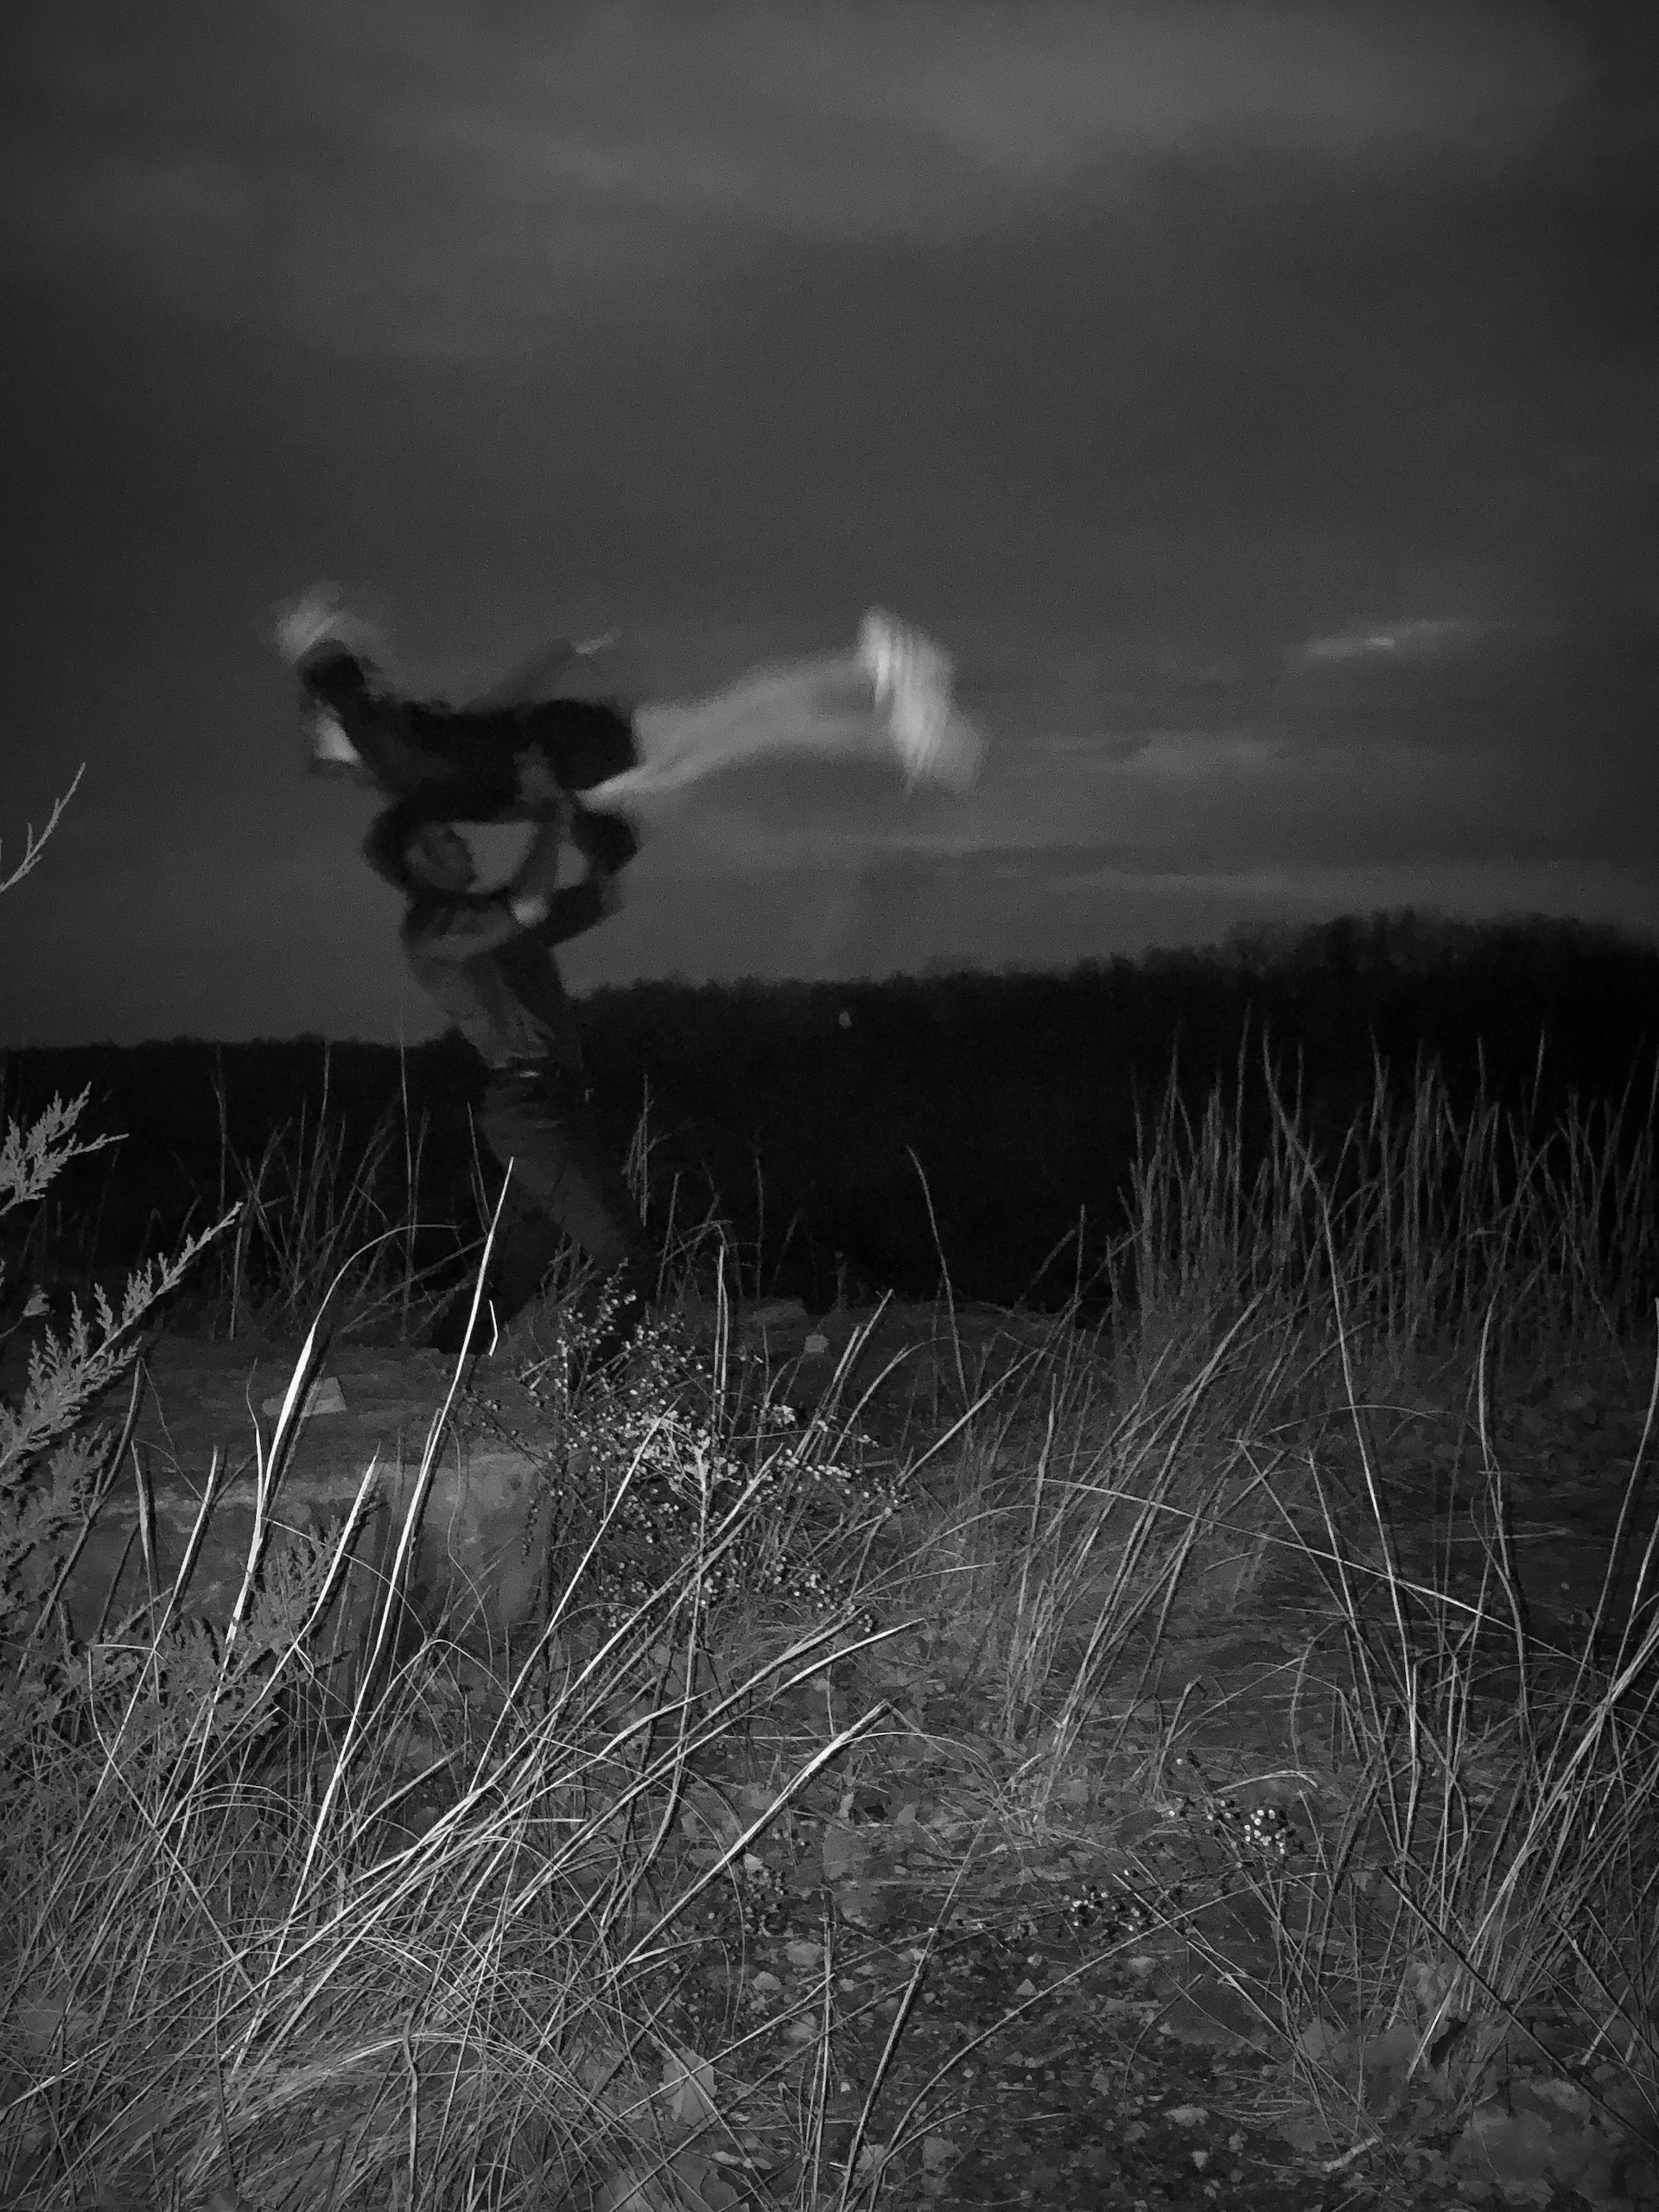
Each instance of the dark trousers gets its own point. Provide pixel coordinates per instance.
(563, 1184)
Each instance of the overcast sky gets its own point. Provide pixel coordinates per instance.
(1259, 400)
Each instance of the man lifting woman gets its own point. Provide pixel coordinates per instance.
(568, 764)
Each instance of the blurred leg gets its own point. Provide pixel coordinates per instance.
(563, 1184)
(525, 1245)
(823, 706)
(889, 697)
(560, 1164)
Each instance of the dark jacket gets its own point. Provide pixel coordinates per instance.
(463, 764)
(496, 979)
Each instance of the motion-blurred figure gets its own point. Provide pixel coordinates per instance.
(486, 959)
(507, 757)
(568, 763)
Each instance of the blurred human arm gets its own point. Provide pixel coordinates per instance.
(580, 907)
(453, 931)
(606, 843)
(538, 874)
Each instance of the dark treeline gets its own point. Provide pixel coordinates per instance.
(802, 1113)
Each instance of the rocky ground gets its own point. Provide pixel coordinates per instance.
(1092, 1992)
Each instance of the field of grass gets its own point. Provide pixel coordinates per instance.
(1145, 1772)
(1207, 1756)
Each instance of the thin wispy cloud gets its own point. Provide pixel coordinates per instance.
(830, 117)
(1416, 638)
(1197, 756)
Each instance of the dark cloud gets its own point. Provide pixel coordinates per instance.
(1257, 402)
(424, 178)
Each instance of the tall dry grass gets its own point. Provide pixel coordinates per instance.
(413, 1940)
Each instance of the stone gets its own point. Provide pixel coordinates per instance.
(477, 1563)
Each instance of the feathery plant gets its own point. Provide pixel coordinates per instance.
(54, 1469)
(660, 1447)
